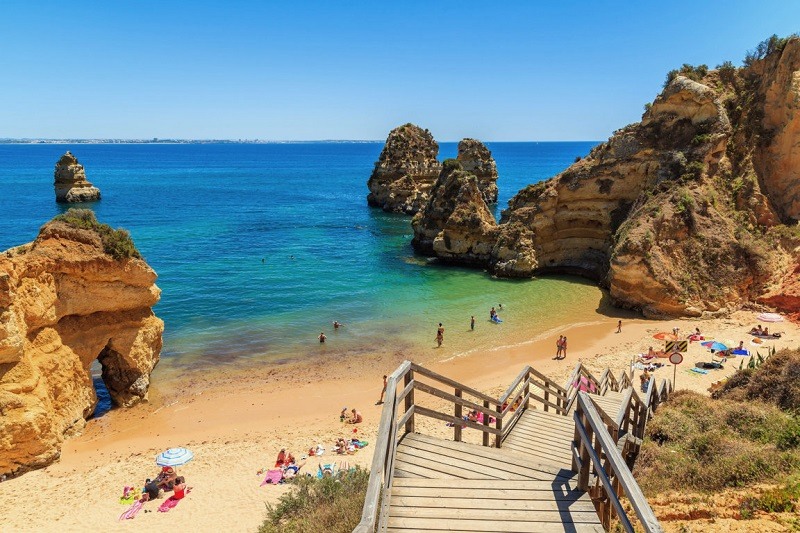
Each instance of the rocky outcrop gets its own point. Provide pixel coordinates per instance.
(71, 184)
(455, 224)
(476, 159)
(673, 214)
(405, 171)
(64, 303)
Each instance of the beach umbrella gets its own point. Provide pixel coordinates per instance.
(174, 457)
(770, 317)
(664, 336)
(714, 345)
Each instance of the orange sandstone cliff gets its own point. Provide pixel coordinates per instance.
(76, 294)
(691, 211)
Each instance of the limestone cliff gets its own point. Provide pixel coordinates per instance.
(476, 159)
(405, 170)
(71, 184)
(693, 210)
(455, 224)
(66, 301)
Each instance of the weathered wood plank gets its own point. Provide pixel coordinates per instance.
(434, 524)
(439, 467)
(560, 515)
(545, 502)
(490, 485)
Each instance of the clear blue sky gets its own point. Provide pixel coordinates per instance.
(510, 70)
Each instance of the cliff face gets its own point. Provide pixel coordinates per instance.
(64, 302)
(476, 159)
(675, 213)
(405, 170)
(71, 184)
(455, 224)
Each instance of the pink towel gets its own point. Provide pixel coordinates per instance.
(168, 504)
(132, 510)
(273, 476)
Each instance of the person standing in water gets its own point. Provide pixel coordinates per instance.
(472, 323)
(492, 314)
(440, 335)
(322, 337)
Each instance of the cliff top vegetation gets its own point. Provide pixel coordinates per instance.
(116, 242)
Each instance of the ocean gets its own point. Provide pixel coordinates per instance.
(259, 247)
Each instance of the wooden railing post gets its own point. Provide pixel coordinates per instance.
(486, 423)
(458, 414)
(498, 439)
(527, 390)
(409, 401)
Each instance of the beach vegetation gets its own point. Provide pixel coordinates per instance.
(767, 47)
(330, 504)
(116, 242)
(727, 72)
(696, 73)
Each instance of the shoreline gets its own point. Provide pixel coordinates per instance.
(238, 417)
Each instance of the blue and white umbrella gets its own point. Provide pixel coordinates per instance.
(174, 457)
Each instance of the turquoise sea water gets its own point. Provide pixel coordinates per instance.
(259, 247)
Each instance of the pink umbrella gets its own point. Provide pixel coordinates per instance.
(770, 317)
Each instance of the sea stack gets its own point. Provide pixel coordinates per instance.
(455, 224)
(77, 294)
(476, 159)
(71, 184)
(405, 171)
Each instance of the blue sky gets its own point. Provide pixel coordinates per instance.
(296, 70)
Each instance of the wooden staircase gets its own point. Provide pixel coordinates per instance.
(557, 462)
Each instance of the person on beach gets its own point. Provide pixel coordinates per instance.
(472, 323)
(343, 414)
(337, 324)
(383, 390)
(564, 348)
(644, 380)
(180, 489)
(322, 337)
(440, 335)
(619, 326)
(559, 347)
(500, 307)
(356, 418)
(492, 314)
(151, 490)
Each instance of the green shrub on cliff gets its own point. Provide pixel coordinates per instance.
(329, 504)
(116, 242)
(698, 443)
(692, 72)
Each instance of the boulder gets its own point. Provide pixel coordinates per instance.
(64, 303)
(71, 185)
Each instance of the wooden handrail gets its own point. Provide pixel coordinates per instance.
(378, 470)
(452, 383)
(588, 423)
(514, 384)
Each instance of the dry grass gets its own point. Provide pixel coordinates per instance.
(777, 381)
(698, 443)
(332, 505)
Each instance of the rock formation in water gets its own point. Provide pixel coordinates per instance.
(405, 170)
(455, 224)
(76, 294)
(71, 185)
(691, 211)
(476, 159)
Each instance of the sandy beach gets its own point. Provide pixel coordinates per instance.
(236, 420)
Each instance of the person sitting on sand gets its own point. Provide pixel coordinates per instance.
(766, 331)
(150, 490)
(356, 418)
(645, 380)
(281, 460)
(757, 330)
(343, 415)
(166, 478)
(180, 489)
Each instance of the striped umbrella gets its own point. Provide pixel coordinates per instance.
(174, 457)
(714, 345)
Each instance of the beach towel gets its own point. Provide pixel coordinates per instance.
(583, 384)
(327, 469)
(168, 504)
(273, 476)
(698, 370)
(132, 510)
